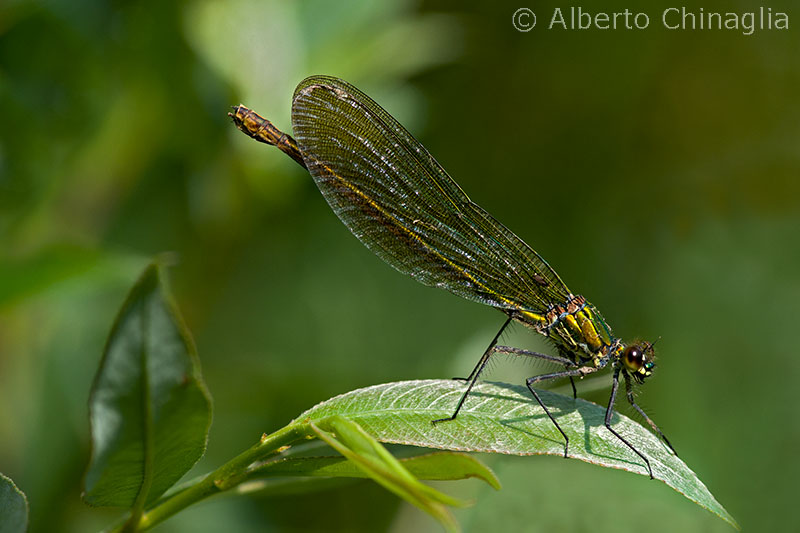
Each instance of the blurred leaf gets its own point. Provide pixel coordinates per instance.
(433, 466)
(365, 452)
(295, 486)
(501, 418)
(13, 507)
(382, 44)
(21, 279)
(149, 408)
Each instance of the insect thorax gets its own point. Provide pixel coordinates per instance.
(576, 328)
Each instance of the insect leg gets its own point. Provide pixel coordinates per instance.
(554, 358)
(610, 413)
(555, 375)
(473, 376)
(527, 353)
(629, 389)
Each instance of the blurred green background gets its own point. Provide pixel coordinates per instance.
(658, 171)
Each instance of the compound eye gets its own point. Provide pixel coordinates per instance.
(633, 357)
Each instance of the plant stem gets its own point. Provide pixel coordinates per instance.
(222, 479)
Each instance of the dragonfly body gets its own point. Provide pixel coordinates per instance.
(400, 203)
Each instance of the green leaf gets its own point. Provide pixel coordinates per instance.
(21, 278)
(440, 466)
(444, 466)
(149, 408)
(13, 507)
(501, 418)
(293, 486)
(26, 277)
(366, 453)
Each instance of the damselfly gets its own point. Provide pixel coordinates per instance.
(393, 195)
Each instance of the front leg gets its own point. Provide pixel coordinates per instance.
(610, 413)
(629, 390)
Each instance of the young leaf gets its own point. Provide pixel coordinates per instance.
(366, 453)
(450, 466)
(149, 408)
(441, 466)
(13, 507)
(501, 418)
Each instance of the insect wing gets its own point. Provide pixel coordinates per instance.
(393, 195)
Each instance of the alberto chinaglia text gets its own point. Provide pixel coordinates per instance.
(671, 18)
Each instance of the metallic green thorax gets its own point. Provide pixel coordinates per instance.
(575, 327)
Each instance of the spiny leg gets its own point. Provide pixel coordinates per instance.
(527, 353)
(554, 358)
(488, 353)
(476, 372)
(629, 390)
(555, 375)
(610, 413)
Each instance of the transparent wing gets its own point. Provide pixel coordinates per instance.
(393, 195)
